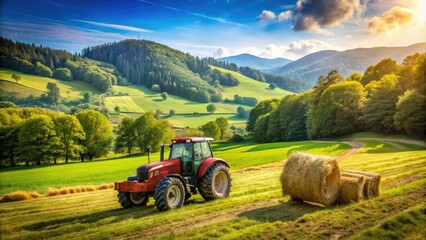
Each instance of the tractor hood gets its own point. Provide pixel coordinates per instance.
(170, 166)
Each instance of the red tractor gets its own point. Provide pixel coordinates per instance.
(172, 181)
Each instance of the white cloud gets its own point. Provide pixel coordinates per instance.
(308, 46)
(284, 16)
(266, 16)
(114, 26)
(221, 52)
(390, 20)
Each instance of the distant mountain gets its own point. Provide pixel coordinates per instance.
(248, 60)
(310, 67)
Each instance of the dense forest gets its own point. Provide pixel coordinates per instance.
(388, 98)
(149, 63)
(283, 82)
(47, 62)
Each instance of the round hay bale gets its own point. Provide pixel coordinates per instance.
(16, 196)
(351, 189)
(374, 186)
(367, 183)
(311, 178)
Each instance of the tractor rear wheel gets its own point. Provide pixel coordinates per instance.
(216, 183)
(124, 199)
(169, 194)
(139, 199)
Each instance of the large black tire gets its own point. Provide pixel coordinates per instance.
(138, 199)
(124, 199)
(216, 182)
(169, 194)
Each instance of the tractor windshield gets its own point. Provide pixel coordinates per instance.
(182, 151)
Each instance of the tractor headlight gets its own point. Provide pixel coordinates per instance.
(154, 174)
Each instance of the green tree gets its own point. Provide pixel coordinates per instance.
(70, 133)
(355, 77)
(339, 110)
(376, 72)
(62, 74)
(42, 70)
(98, 133)
(211, 108)
(156, 88)
(53, 92)
(37, 138)
(323, 83)
(150, 131)
(272, 86)
(410, 116)
(126, 138)
(259, 133)
(117, 109)
(223, 125)
(172, 112)
(164, 95)
(211, 129)
(16, 77)
(381, 102)
(264, 107)
(88, 97)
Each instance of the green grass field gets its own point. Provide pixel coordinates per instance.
(70, 90)
(254, 210)
(40, 178)
(251, 88)
(19, 90)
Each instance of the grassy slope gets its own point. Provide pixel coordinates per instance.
(19, 90)
(71, 90)
(255, 209)
(103, 171)
(251, 88)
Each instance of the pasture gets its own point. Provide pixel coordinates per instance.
(69, 90)
(254, 210)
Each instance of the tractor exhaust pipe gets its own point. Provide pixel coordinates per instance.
(162, 152)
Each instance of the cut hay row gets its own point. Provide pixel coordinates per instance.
(22, 195)
(311, 178)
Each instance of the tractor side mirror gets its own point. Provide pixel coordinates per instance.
(148, 150)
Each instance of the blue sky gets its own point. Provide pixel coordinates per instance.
(286, 28)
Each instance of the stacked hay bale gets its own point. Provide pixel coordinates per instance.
(351, 189)
(311, 178)
(372, 182)
(318, 179)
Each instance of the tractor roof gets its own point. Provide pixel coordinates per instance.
(191, 139)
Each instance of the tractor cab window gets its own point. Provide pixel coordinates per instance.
(182, 151)
(205, 150)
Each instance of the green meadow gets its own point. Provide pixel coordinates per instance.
(255, 208)
(69, 90)
(40, 178)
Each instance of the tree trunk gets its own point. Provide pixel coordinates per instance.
(38, 162)
(66, 158)
(82, 157)
(54, 160)
(91, 156)
(129, 150)
(27, 163)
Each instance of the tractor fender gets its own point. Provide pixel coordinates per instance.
(206, 165)
(178, 176)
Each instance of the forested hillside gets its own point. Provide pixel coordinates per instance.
(346, 62)
(388, 98)
(59, 64)
(283, 82)
(149, 63)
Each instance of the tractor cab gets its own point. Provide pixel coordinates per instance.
(191, 152)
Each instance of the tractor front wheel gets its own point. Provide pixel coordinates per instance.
(139, 199)
(216, 183)
(169, 194)
(124, 199)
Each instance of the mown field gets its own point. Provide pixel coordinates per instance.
(70, 90)
(254, 210)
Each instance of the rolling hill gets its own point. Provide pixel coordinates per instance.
(248, 60)
(310, 67)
